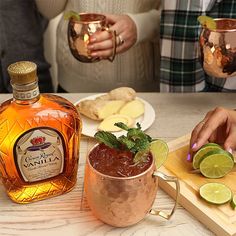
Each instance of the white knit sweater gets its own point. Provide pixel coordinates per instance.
(138, 67)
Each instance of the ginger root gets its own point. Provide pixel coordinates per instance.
(123, 93)
(119, 105)
(133, 109)
(99, 109)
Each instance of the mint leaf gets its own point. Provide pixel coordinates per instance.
(140, 145)
(129, 144)
(107, 138)
(122, 126)
(138, 126)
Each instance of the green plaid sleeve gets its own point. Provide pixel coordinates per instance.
(181, 70)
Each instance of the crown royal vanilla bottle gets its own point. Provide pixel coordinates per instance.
(39, 139)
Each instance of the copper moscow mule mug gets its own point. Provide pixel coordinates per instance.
(124, 201)
(218, 48)
(79, 32)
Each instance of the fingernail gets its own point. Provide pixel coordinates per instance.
(92, 39)
(188, 157)
(194, 145)
(90, 47)
(94, 54)
(230, 150)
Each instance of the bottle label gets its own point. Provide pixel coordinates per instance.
(39, 154)
(26, 95)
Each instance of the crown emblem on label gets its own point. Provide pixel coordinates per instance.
(38, 140)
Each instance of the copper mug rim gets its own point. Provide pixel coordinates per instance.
(117, 177)
(222, 30)
(102, 18)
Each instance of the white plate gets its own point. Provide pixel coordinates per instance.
(89, 127)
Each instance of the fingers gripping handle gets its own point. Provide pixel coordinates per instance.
(113, 33)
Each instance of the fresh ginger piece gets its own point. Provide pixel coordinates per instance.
(107, 104)
(133, 109)
(123, 93)
(99, 109)
(111, 107)
(108, 123)
(90, 108)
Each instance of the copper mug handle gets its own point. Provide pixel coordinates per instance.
(113, 33)
(167, 178)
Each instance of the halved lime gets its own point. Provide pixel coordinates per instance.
(197, 158)
(72, 14)
(159, 150)
(207, 21)
(233, 202)
(216, 164)
(215, 193)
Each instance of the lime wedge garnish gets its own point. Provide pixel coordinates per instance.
(140, 156)
(71, 14)
(233, 202)
(197, 158)
(216, 164)
(207, 22)
(215, 193)
(159, 150)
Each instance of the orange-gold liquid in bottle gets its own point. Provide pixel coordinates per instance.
(39, 139)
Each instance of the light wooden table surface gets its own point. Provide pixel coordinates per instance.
(69, 215)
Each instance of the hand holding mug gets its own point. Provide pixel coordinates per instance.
(126, 36)
(80, 32)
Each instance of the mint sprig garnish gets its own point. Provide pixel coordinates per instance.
(135, 140)
(107, 138)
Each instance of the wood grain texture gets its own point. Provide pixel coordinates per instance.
(220, 219)
(69, 214)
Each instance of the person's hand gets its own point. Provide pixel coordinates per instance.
(101, 43)
(218, 126)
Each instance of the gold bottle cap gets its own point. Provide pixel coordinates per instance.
(23, 72)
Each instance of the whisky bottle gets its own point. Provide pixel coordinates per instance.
(39, 139)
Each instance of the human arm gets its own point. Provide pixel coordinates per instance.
(133, 28)
(218, 126)
(147, 24)
(50, 8)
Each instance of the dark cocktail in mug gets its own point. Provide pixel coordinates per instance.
(116, 162)
(121, 183)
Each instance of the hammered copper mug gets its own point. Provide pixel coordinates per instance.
(218, 48)
(124, 201)
(79, 32)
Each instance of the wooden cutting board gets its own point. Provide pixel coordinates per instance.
(219, 219)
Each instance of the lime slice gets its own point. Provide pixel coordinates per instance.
(159, 150)
(216, 164)
(215, 193)
(233, 202)
(197, 158)
(71, 14)
(207, 22)
(140, 156)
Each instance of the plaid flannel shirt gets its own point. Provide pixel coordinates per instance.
(181, 70)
